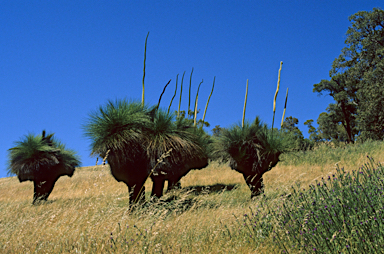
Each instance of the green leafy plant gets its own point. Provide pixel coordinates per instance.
(41, 159)
(339, 214)
(189, 147)
(118, 129)
(252, 150)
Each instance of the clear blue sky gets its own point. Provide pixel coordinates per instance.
(61, 60)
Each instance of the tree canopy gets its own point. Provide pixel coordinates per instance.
(356, 80)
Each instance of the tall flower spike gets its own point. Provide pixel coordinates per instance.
(145, 58)
(181, 92)
(106, 156)
(277, 90)
(170, 104)
(190, 84)
(194, 119)
(195, 108)
(206, 106)
(245, 104)
(285, 107)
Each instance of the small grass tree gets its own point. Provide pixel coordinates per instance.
(188, 145)
(41, 159)
(186, 138)
(252, 150)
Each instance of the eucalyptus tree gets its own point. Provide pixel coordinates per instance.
(356, 78)
(295, 135)
(314, 135)
(252, 149)
(41, 159)
(117, 132)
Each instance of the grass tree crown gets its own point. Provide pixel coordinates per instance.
(117, 126)
(177, 133)
(39, 154)
(252, 143)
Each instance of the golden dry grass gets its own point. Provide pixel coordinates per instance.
(83, 212)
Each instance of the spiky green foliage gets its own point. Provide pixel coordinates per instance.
(203, 140)
(118, 126)
(168, 132)
(252, 143)
(35, 154)
(68, 156)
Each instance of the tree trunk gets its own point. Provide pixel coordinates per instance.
(42, 189)
(173, 184)
(255, 183)
(157, 187)
(347, 125)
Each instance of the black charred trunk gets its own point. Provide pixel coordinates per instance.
(42, 189)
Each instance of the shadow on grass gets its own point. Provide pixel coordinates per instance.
(209, 189)
(183, 199)
(43, 202)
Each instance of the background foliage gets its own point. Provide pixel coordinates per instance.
(356, 83)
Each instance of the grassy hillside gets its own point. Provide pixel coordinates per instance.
(89, 213)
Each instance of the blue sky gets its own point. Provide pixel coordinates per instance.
(61, 60)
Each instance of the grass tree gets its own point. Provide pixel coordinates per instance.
(41, 159)
(252, 150)
(117, 129)
(188, 146)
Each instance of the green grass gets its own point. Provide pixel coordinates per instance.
(343, 213)
(326, 154)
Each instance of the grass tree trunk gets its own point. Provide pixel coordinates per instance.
(157, 188)
(42, 188)
(133, 174)
(173, 183)
(255, 183)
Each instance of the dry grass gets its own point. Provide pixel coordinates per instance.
(89, 213)
(84, 210)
